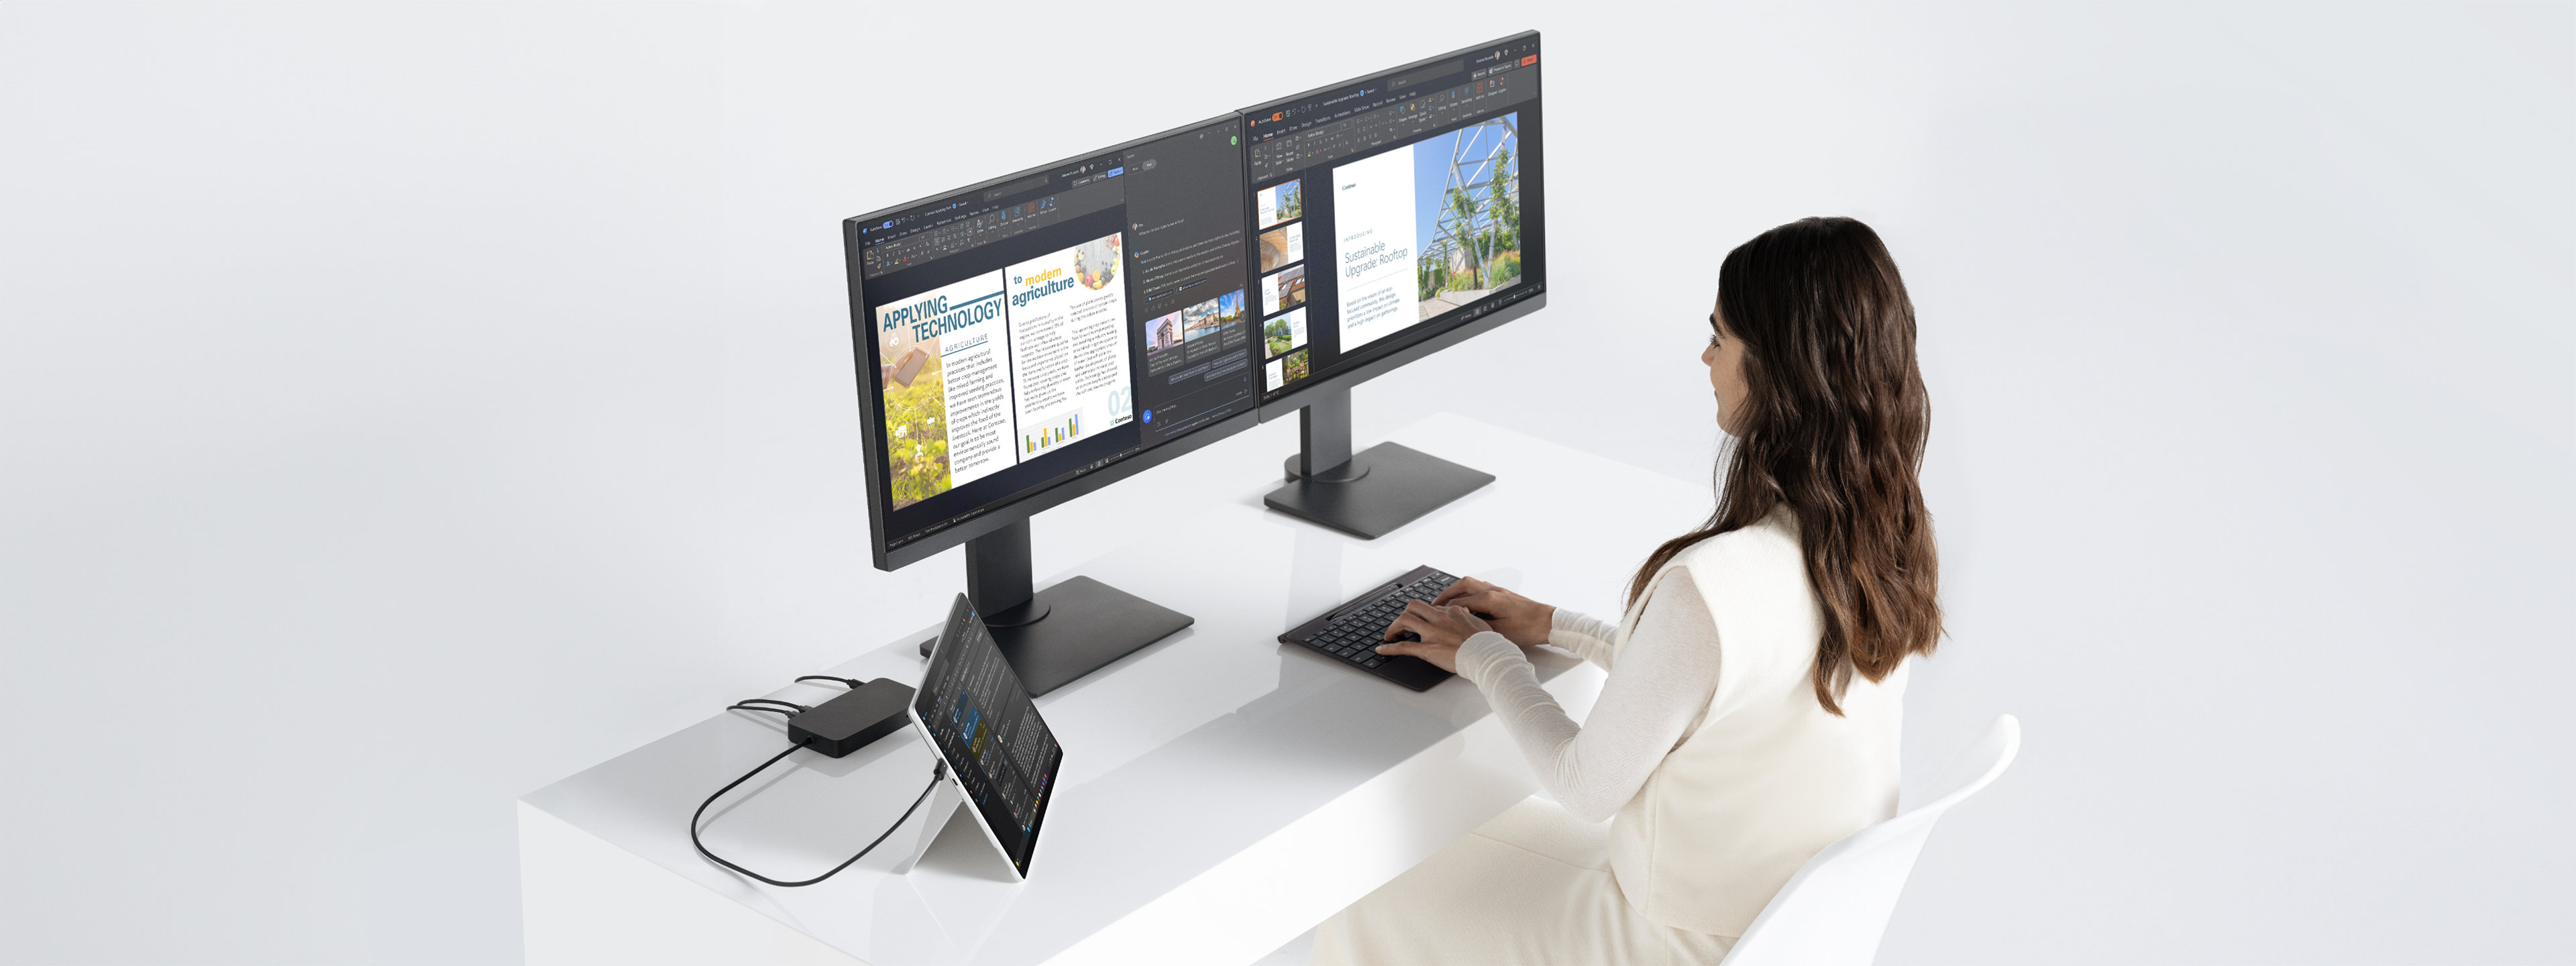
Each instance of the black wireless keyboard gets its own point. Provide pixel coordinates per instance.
(1351, 633)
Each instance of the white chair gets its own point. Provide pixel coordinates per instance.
(1834, 910)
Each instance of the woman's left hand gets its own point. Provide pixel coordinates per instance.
(1442, 629)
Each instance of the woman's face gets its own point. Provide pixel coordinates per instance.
(1725, 360)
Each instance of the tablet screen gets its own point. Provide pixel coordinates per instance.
(985, 725)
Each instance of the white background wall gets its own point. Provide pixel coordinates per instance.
(404, 406)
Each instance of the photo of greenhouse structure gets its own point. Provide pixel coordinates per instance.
(1467, 200)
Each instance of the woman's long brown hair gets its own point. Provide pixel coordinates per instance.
(1833, 426)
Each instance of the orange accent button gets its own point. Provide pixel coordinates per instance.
(1531, 59)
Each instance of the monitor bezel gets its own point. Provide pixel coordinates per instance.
(1375, 360)
(1027, 503)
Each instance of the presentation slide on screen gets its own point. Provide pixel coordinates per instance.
(1426, 229)
(1284, 370)
(1283, 333)
(1279, 203)
(1284, 245)
(985, 373)
(1283, 289)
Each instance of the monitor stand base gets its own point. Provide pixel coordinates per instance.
(1082, 625)
(1055, 636)
(1369, 494)
(1380, 490)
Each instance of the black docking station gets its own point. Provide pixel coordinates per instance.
(850, 721)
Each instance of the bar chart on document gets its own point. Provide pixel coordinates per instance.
(1049, 435)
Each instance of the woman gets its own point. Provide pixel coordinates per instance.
(1754, 697)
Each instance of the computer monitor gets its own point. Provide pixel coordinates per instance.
(1034, 337)
(1395, 214)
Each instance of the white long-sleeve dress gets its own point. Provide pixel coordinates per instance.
(1718, 772)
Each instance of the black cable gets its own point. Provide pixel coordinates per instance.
(759, 707)
(853, 683)
(800, 709)
(938, 772)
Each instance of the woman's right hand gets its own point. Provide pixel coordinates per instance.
(1522, 620)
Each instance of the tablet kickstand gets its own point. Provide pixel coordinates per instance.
(936, 815)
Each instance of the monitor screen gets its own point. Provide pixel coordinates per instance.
(1053, 322)
(983, 722)
(1394, 207)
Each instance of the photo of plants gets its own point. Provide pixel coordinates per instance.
(1283, 333)
(1467, 201)
(916, 418)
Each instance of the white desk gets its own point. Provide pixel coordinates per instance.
(1221, 793)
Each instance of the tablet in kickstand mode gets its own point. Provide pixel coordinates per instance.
(979, 717)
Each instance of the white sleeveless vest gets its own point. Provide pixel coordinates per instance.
(1765, 778)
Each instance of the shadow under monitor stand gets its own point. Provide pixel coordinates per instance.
(1369, 494)
(1054, 636)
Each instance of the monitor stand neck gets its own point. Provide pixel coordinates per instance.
(997, 578)
(1324, 441)
(1368, 494)
(1056, 635)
